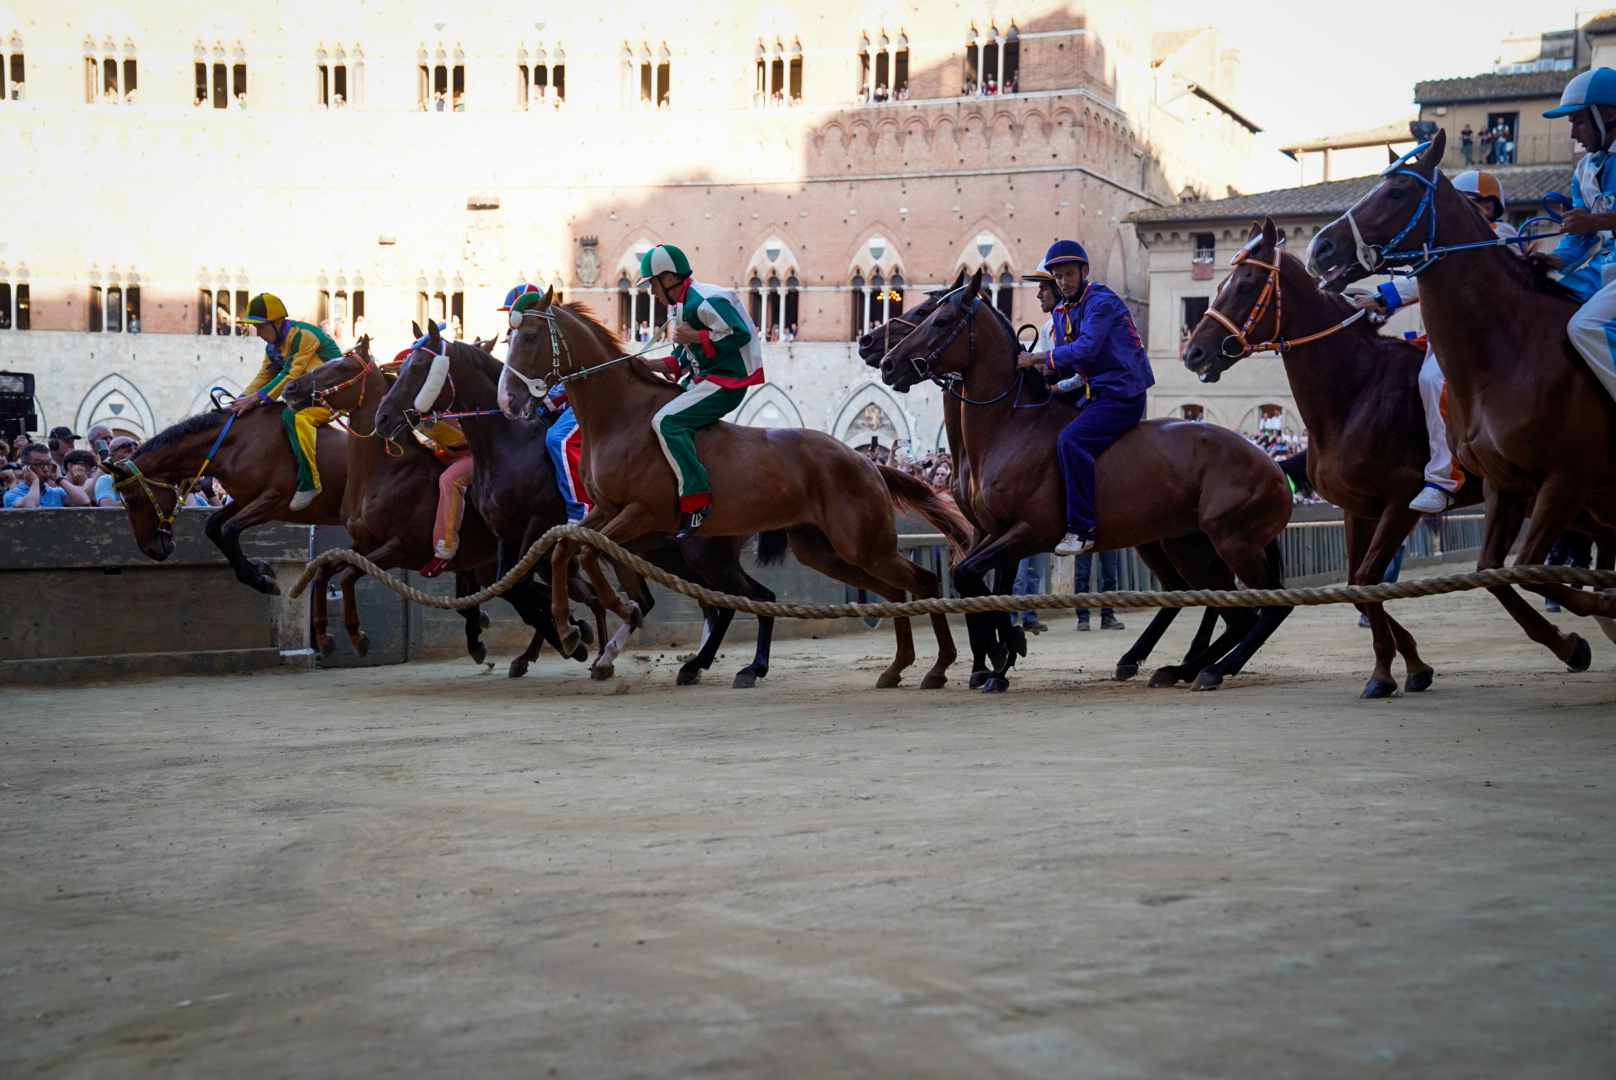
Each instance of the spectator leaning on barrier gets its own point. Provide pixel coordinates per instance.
(37, 485)
(78, 477)
(106, 485)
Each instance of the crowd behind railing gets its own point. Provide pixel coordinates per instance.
(61, 473)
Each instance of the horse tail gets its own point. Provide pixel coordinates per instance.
(772, 547)
(913, 495)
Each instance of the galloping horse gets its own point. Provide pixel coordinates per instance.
(1164, 482)
(1356, 391)
(514, 488)
(872, 349)
(837, 506)
(387, 504)
(1524, 411)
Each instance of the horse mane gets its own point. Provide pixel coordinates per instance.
(613, 346)
(178, 433)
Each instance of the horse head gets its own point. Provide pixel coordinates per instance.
(424, 385)
(939, 344)
(150, 508)
(874, 346)
(337, 384)
(1243, 310)
(535, 357)
(1399, 213)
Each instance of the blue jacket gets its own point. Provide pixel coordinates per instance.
(1096, 338)
(1593, 188)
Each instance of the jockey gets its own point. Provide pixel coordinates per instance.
(290, 349)
(1589, 100)
(1095, 342)
(1048, 297)
(565, 439)
(1442, 478)
(448, 444)
(717, 347)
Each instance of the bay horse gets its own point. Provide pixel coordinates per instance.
(1176, 483)
(837, 506)
(872, 349)
(390, 497)
(1524, 411)
(514, 488)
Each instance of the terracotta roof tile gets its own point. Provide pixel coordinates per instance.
(1492, 87)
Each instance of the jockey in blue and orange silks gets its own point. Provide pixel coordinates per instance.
(565, 439)
(1097, 348)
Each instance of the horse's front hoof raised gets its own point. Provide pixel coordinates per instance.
(996, 684)
(688, 676)
(934, 682)
(978, 678)
(586, 633)
(268, 586)
(1164, 677)
(1379, 688)
(571, 641)
(361, 644)
(1017, 640)
(1125, 672)
(888, 680)
(518, 668)
(478, 653)
(1207, 680)
(581, 653)
(1419, 680)
(636, 617)
(745, 679)
(602, 672)
(327, 646)
(1580, 656)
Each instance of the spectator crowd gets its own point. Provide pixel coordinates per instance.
(61, 473)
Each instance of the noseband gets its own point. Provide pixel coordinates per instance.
(1237, 345)
(950, 382)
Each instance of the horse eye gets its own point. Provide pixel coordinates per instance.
(1396, 194)
(1243, 289)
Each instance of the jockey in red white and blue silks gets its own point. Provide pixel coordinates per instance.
(565, 439)
(1097, 349)
(1589, 101)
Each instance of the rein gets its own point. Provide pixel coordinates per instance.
(1270, 298)
(165, 522)
(540, 387)
(951, 382)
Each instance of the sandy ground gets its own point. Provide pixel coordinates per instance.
(425, 872)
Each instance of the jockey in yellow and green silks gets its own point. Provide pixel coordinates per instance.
(290, 349)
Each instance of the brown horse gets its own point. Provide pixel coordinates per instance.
(1174, 483)
(872, 349)
(1357, 392)
(837, 506)
(1524, 411)
(390, 498)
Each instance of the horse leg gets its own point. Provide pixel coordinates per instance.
(1504, 516)
(1259, 569)
(224, 529)
(348, 581)
(320, 611)
(970, 578)
(465, 585)
(627, 525)
(605, 665)
(1552, 514)
(813, 549)
(528, 600)
(1371, 545)
(714, 625)
(1155, 557)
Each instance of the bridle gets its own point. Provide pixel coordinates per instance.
(951, 381)
(561, 354)
(1270, 298)
(182, 490)
(319, 396)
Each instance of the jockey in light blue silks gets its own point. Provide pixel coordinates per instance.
(565, 439)
(1590, 102)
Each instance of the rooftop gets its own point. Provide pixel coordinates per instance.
(1379, 135)
(1524, 185)
(1527, 84)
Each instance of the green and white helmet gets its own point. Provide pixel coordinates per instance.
(663, 259)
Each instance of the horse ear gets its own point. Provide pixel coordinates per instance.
(488, 346)
(415, 328)
(960, 280)
(432, 334)
(1391, 156)
(1433, 156)
(549, 297)
(1270, 234)
(976, 284)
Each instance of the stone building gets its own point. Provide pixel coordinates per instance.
(393, 162)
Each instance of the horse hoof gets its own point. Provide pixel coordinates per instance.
(586, 633)
(1207, 680)
(996, 684)
(361, 644)
(580, 654)
(636, 618)
(888, 680)
(1125, 672)
(999, 657)
(1419, 680)
(602, 672)
(1581, 656)
(978, 678)
(518, 668)
(483, 620)
(1164, 677)
(688, 676)
(745, 679)
(478, 653)
(268, 586)
(571, 641)
(1379, 688)
(1017, 640)
(934, 682)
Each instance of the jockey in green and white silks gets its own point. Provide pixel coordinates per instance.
(1589, 101)
(719, 355)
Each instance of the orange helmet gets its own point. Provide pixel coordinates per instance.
(1481, 186)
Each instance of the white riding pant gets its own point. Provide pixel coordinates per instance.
(1593, 332)
(1439, 469)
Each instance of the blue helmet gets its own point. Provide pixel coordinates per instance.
(1596, 86)
(1062, 251)
(520, 290)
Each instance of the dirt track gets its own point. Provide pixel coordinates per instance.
(423, 872)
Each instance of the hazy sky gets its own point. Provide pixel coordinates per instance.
(1311, 68)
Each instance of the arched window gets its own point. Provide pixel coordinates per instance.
(215, 303)
(14, 300)
(339, 77)
(13, 71)
(754, 289)
(861, 305)
(883, 67)
(1196, 413)
(776, 81)
(1005, 300)
(541, 78)
(992, 61)
(647, 79)
(440, 81)
(221, 79)
(638, 312)
(106, 80)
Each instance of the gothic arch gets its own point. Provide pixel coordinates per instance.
(968, 255)
(854, 408)
(769, 406)
(860, 257)
(116, 402)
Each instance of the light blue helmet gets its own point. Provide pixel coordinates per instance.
(1596, 86)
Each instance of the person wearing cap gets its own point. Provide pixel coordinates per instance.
(1442, 477)
(718, 354)
(66, 442)
(1589, 101)
(448, 444)
(1097, 349)
(565, 439)
(119, 450)
(290, 349)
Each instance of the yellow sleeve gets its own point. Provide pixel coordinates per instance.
(304, 350)
(265, 373)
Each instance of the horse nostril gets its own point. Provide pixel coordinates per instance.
(1192, 355)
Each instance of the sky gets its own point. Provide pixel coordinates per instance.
(1308, 69)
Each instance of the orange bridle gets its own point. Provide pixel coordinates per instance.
(1270, 298)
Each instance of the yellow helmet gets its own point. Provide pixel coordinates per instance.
(263, 308)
